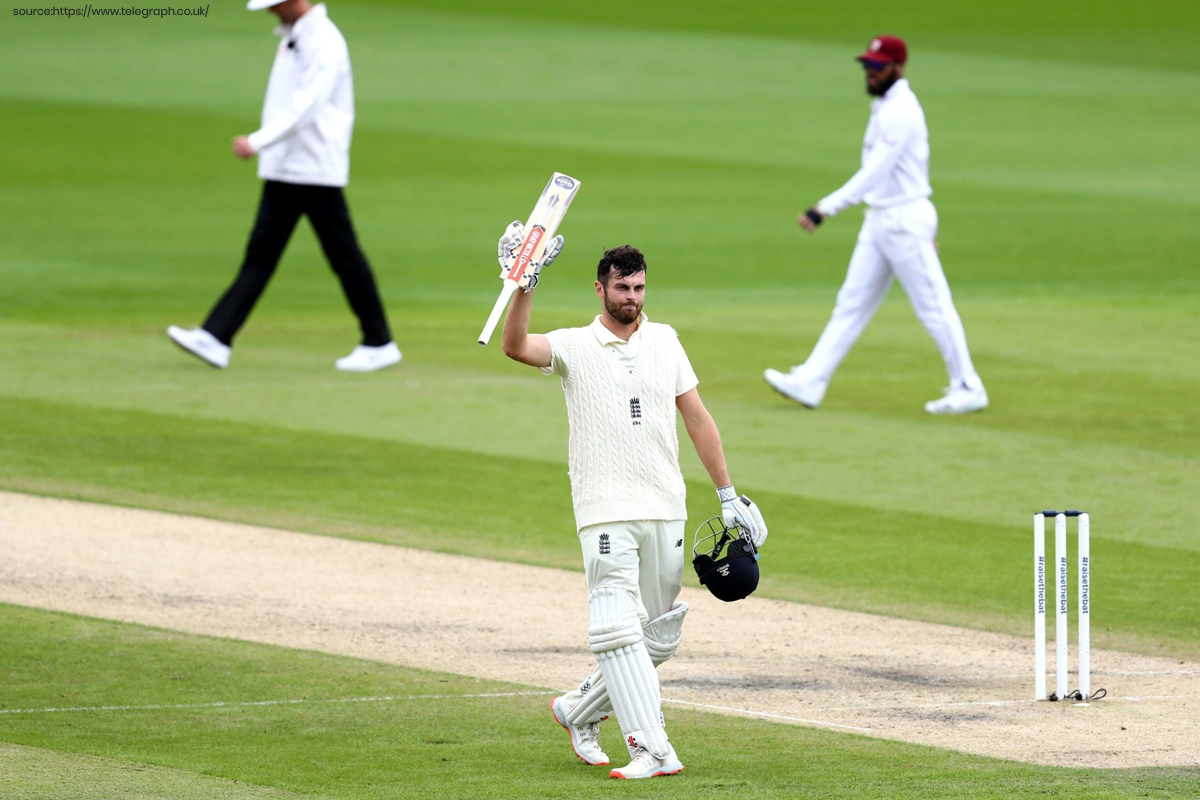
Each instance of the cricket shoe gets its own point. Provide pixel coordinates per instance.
(201, 344)
(369, 359)
(645, 764)
(960, 400)
(584, 738)
(794, 386)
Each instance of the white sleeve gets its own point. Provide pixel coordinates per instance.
(897, 127)
(685, 376)
(318, 78)
(560, 354)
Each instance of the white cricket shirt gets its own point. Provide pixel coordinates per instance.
(308, 113)
(623, 352)
(895, 156)
(624, 445)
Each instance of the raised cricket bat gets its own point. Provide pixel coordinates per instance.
(539, 230)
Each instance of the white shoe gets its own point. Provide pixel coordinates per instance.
(959, 401)
(584, 738)
(644, 764)
(201, 344)
(794, 386)
(369, 359)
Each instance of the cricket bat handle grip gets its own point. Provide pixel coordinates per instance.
(506, 292)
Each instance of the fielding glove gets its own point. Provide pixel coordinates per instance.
(740, 510)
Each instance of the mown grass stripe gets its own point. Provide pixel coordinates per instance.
(251, 703)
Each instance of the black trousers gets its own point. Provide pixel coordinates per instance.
(280, 209)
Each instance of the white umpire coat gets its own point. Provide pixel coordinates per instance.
(895, 156)
(308, 113)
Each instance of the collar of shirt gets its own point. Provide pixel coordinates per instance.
(301, 26)
(890, 93)
(607, 337)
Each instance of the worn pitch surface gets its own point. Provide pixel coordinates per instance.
(930, 684)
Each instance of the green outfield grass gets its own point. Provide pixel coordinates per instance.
(1067, 181)
(303, 724)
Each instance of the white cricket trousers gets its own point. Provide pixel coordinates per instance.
(644, 557)
(895, 242)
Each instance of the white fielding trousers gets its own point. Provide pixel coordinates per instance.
(896, 242)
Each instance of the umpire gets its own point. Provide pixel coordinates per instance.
(303, 150)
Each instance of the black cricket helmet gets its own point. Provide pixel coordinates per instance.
(725, 559)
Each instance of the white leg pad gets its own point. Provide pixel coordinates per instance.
(661, 635)
(616, 638)
(589, 703)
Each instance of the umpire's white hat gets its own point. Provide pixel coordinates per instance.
(259, 5)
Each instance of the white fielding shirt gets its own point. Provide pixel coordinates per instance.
(895, 156)
(308, 113)
(624, 444)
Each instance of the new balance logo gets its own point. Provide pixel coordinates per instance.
(723, 570)
(604, 546)
(679, 543)
(635, 410)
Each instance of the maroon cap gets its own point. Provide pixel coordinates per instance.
(886, 50)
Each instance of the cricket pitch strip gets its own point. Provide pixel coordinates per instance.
(785, 662)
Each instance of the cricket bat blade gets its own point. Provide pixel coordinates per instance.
(539, 230)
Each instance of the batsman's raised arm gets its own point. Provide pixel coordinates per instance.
(519, 344)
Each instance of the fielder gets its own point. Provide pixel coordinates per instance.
(624, 377)
(303, 150)
(897, 240)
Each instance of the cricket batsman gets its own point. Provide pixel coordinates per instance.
(624, 377)
(897, 240)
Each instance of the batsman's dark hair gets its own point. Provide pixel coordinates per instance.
(624, 260)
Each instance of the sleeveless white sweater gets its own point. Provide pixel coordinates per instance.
(624, 447)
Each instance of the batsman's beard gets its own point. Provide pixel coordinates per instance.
(626, 313)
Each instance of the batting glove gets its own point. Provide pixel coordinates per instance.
(553, 248)
(741, 511)
(529, 280)
(509, 244)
